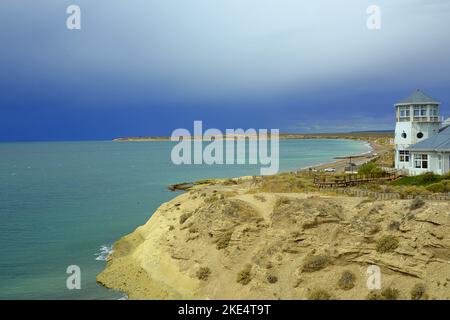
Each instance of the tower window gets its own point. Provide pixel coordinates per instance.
(404, 135)
(404, 156)
(421, 161)
(434, 111)
(420, 113)
(404, 114)
(420, 135)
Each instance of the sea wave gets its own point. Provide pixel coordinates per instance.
(104, 252)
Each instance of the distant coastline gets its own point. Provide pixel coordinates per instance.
(363, 135)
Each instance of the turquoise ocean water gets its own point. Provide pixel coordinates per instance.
(66, 203)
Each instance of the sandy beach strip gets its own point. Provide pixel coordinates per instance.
(340, 164)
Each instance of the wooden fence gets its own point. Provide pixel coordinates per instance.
(333, 181)
(354, 192)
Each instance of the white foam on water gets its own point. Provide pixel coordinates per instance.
(104, 253)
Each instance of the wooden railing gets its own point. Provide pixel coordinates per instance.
(333, 181)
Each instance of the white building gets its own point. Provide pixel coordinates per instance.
(422, 143)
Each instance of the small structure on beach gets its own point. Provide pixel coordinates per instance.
(422, 141)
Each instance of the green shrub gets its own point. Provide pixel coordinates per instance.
(407, 191)
(315, 263)
(347, 280)
(387, 244)
(420, 180)
(370, 168)
(440, 187)
(319, 294)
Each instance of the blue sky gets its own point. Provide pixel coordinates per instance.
(147, 67)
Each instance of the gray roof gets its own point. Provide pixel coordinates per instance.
(438, 142)
(446, 122)
(418, 97)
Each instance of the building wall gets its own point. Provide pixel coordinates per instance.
(411, 129)
(446, 162)
(433, 163)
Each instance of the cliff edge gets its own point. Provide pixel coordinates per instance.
(232, 241)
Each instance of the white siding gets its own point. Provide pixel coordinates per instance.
(433, 163)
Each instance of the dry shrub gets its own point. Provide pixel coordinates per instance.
(272, 278)
(193, 229)
(387, 243)
(347, 280)
(245, 275)
(286, 183)
(417, 203)
(229, 182)
(373, 229)
(239, 209)
(281, 202)
(203, 273)
(394, 225)
(211, 199)
(386, 294)
(418, 292)
(315, 263)
(223, 240)
(390, 294)
(374, 295)
(319, 294)
(185, 216)
(260, 197)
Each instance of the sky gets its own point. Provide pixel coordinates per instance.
(148, 67)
